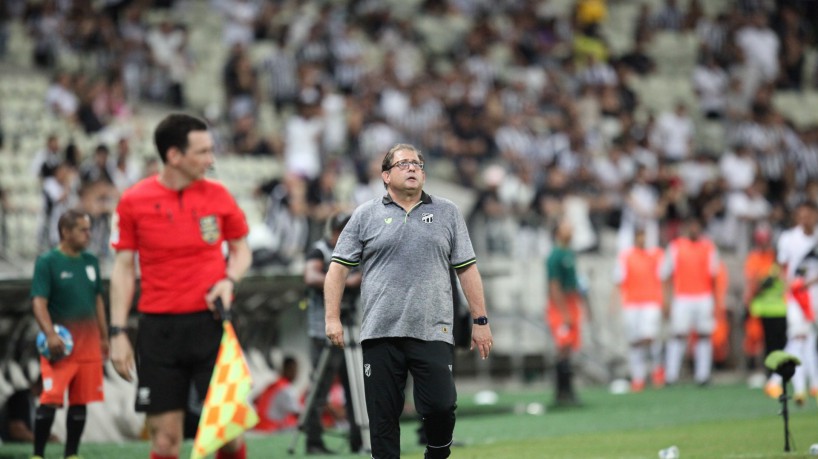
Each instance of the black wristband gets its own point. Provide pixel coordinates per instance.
(482, 320)
(114, 330)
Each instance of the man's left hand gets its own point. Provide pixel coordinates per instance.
(481, 338)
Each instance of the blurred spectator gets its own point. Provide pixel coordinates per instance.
(277, 405)
(323, 200)
(591, 12)
(760, 47)
(695, 13)
(46, 160)
(167, 44)
(492, 226)
(72, 155)
(638, 59)
(712, 34)
(674, 134)
(669, 17)
(59, 196)
(61, 98)
(281, 72)
(745, 211)
(241, 84)
(286, 221)
(248, 141)
(303, 135)
(697, 171)
(46, 25)
(127, 168)
(793, 34)
(239, 23)
(737, 168)
(710, 83)
(643, 27)
(641, 209)
(134, 54)
(99, 167)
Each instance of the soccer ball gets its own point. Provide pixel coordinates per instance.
(65, 336)
(813, 449)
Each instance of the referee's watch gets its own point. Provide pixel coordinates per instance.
(114, 330)
(482, 320)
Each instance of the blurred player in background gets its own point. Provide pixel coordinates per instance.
(67, 289)
(794, 248)
(564, 311)
(689, 269)
(638, 276)
(764, 296)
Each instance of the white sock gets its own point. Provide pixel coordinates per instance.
(704, 359)
(656, 354)
(675, 355)
(636, 360)
(811, 360)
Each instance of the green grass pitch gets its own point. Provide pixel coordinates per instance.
(721, 421)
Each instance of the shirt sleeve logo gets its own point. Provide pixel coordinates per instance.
(427, 218)
(91, 272)
(209, 228)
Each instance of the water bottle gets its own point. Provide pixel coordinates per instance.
(671, 452)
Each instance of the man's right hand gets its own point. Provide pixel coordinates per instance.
(335, 332)
(56, 346)
(122, 356)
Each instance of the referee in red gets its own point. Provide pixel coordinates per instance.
(406, 243)
(176, 222)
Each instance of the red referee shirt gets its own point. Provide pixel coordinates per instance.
(178, 235)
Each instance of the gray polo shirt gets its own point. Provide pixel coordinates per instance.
(406, 258)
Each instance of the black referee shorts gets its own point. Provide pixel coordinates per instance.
(174, 353)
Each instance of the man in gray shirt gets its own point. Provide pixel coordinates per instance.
(405, 243)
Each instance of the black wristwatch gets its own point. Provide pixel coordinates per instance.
(114, 330)
(482, 320)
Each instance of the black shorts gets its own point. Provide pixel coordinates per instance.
(175, 355)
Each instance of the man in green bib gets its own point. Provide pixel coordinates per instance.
(67, 290)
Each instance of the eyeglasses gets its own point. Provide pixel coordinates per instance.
(403, 165)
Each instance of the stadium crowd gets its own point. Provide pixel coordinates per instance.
(530, 108)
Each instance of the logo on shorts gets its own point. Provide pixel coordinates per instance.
(367, 370)
(143, 396)
(427, 218)
(92, 273)
(388, 220)
(209, 228)
(450, 368)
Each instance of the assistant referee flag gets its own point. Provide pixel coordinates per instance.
(227, 411)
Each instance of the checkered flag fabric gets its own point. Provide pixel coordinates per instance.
(227, 411)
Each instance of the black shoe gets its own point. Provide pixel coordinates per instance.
(319, 450)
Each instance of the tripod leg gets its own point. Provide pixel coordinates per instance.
(309, 405)
(355, 362)
(786, 415)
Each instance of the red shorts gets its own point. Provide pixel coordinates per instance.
(565, 336)
(83, 379)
